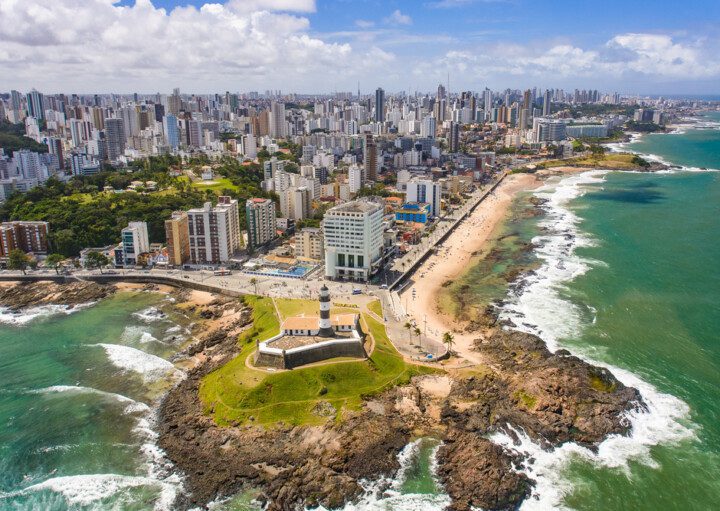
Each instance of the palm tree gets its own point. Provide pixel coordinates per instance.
(253, 281)
(408, 327)
(449, 340)
(418, 332)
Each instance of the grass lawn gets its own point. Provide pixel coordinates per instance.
(289, 308)
(235, 393)
(376, 308)
(218, 184)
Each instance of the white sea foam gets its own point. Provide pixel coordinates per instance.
(138, 334)
(151, 367)
(25, 316)
(150, 315)
(91, 489)
(536, 306)
(132, 406)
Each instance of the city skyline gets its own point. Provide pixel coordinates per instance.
(306, 46)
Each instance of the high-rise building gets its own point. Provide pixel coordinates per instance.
(428, 127)
(278, 124)
(35, 104)
(177, 234)
(134, 240)
(454, 137)
(370, 157)
(214, 232)
(353, 239)
(171, 130)
(354, 178)
(487, 100)
(261, 221)
(295, 203)
(379, 105)
(547, 100)
(30, 237)
(309, 244)
(115, 137)
(425, 190)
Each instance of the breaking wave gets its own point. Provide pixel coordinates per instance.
(535, 305)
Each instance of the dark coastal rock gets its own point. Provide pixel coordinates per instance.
(24, 295)
(477, 473)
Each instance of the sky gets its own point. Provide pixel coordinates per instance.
(322, 46)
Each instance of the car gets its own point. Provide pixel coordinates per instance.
(383, 286)
(357, 291)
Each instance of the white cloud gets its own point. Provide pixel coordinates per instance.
(398, 18)
(364, 23)
(90, 45)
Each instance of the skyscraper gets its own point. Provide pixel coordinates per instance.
(370, 157)
(172, 132)
(214, 232)
(35, 104)
(115, 135)
(547, 99)
(454, 137)
(278, 124)
(261, 221)
(487, 98)
(379, 105)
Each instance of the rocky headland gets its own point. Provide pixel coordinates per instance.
(22, 295)
(553, 398)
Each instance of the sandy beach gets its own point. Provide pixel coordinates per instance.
(453, 257)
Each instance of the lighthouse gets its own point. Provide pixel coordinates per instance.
(326, 329)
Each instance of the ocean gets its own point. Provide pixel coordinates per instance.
(77, 394)
(629, 279)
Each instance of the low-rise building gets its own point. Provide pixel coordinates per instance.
(415, 212)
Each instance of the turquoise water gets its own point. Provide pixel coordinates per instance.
(697, 148)
(637, 289)
(75, 406)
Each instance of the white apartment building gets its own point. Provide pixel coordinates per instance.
(353, 240)
(135, 241)
(355, 178)
(214, 232)
(261, 221)
(425, 190)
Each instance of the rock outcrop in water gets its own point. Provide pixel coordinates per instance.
(23, 295)
(554, 398)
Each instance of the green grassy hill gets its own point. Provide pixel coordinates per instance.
(237, 393)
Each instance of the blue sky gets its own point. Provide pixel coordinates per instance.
(325, 45)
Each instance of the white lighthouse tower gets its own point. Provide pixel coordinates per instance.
(325, 326)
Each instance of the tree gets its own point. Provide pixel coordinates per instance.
(96, 260)
(408, 327)
(55, 261)
(449, 340)
(418, 332)
(18, 260)
(253, 281)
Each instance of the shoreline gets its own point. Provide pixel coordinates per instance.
(457, 254)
